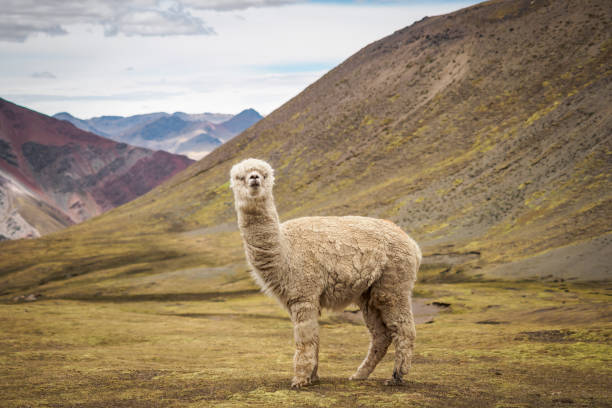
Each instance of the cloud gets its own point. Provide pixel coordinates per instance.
(168, 18)
(124, 96)
(20, 31)
(230, 5)
(43, 75)
(24, 18)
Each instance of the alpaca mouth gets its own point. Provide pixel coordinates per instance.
(254, 183)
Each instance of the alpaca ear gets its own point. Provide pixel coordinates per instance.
(271, 175)
(235, 170)
(232, 171)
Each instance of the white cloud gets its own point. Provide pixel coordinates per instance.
(168, 18)
(20, 31)
(24, 18)
(229, 5)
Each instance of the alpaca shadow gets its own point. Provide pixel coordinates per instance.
(226, 316)
(372, 384)
(158, 297)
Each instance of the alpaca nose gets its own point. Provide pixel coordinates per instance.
(254, 180)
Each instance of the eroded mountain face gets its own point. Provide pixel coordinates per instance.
(53, 174)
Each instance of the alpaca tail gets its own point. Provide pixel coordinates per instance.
(419, 256)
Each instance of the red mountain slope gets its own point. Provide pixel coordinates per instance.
(53, 174)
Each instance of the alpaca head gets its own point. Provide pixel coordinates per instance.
(251, 180)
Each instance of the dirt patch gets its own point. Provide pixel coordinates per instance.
(490, 322)
(589, 260)
(570, 314)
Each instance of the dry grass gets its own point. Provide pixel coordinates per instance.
(498, 344)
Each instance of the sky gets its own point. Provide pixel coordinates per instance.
(124, 57)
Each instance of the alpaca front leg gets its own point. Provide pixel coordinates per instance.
(306, 333)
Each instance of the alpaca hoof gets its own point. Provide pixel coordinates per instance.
(299, 383)
(395, 380)
(314, 379)
(356, 377)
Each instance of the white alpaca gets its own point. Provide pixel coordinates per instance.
(329, 262)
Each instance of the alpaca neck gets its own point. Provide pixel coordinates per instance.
(260, 230)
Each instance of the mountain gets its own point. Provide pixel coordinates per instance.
(242, 121)
(53, 174)
(203, 141)
(80, 123)
(194, 135)
(214, 118)
(485, 134)
(159, 129)
(111, 125)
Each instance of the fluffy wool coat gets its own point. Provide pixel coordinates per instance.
(329, 262)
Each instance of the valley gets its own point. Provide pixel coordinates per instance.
(194, 135)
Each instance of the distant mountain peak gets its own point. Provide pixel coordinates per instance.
(62, 114)
(250, 111)
(243, 120)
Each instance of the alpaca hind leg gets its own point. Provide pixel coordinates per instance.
(401, 324)
(399, 321)
(306, 333)
(404, 347)
(314, 377)
(379, 342)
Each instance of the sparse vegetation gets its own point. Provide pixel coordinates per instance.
(551, 343)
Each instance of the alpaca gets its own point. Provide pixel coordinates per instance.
(328, 262)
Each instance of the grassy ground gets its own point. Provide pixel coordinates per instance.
(498, 344)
